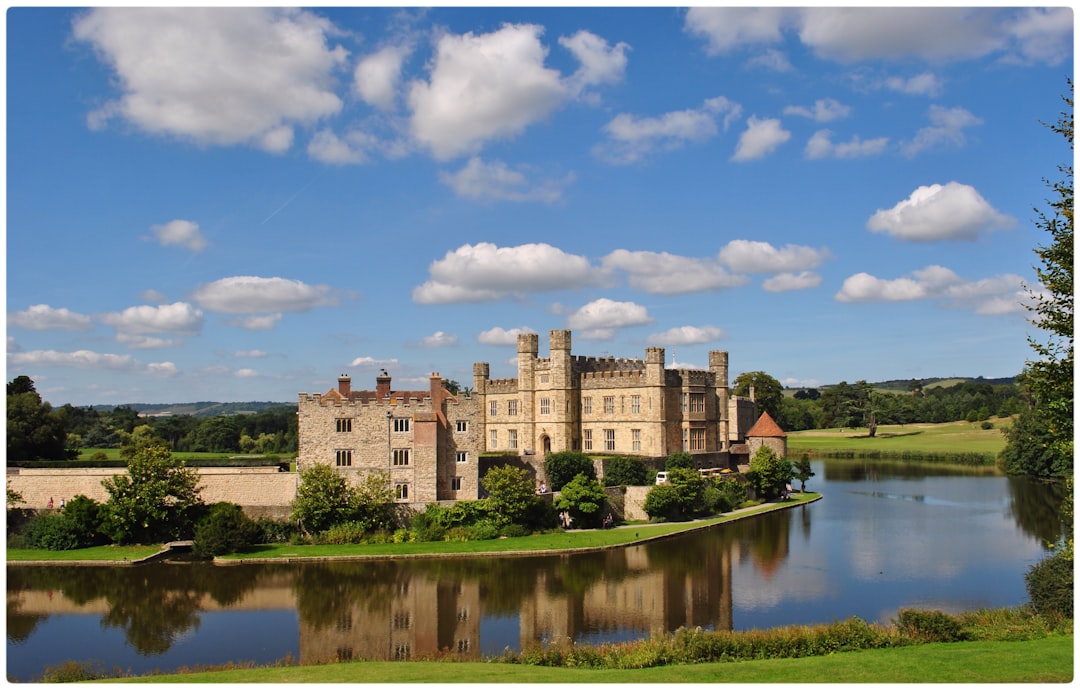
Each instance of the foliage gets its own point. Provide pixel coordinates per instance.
(929, 626)
(679, 460)
(681, 498)
(323, 498)
(663, 503)
(225, 530)
(34, 429)
(584, 498)
(802, 471)
(624, 471)
(771, 472)
(157, 500)
(14, 498)
(1050, 584)
(371, 502)
(768, 392)
(510, 493)
(85, 516)
(273, 531)
(563, 466)
(732, 493)
(50, 531)
(1030, 448)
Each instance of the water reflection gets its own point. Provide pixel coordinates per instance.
(877, 543)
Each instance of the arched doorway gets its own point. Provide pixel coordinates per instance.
(545, 443)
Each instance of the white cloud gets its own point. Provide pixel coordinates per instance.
(176, 67)
(179, 317)
(88, 359)
(485, 272)
(760, 138)
(601, 63)
(256, 295)
(599, 319)
(251, 354)
(495, 181)
(1002, 294)
(687, 335)
(245, 373)
(377, 77)
(371, 362)
(1043, 34)
(630, 138)
(924, 84)
(327, 147)
(730, 27)
(42, 317)
(439, 339)
(948, 125)
(660, 273)
(502, 337)
(786, 282)
(748, 256)
(824, 110)
(256, 322)
(181, 233)
(154, 296)
(483, 87)
(820, 145)
(144, 342)
(773, 59)
(952, 211)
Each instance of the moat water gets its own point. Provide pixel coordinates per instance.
(886, 536)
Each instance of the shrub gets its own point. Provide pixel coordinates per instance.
(771, 472)
(51, 531)
(85, 516)
(343, 533)
(663, 503)
(225, 530)
(514, 531)
(680, 460)
(484, 529)
(986, 425)
(510, 493)
(623, 471)
(1050, 584)
(583, 498)
(733, 492)
(273, 531)
(929, 626)
(562, 467)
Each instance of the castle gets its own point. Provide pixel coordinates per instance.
(432, 442)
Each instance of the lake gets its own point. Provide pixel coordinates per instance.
(886, 536)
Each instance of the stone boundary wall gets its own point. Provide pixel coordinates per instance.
(633, 500)
(259, 491)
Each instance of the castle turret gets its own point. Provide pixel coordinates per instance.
(718, 365)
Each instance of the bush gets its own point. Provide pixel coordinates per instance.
(663, 503)
(225, 530)
(273, 531)
(622, 471)
(52, 532)
(681, 460)
(562, 467)
(929, 626)
(583, 498)
(343, 533)
(85, 516)
(1050, 584)
(514, 531)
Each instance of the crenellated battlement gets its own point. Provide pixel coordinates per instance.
(389, 403)
(501, 386)
(678, 378)
(588, 365)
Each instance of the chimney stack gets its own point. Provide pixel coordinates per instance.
(382, 386)
(344, 385)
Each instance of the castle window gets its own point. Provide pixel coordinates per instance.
(344, 622)
(697, 402)
(402, 620)
(512, 442)
(343, 458)
(609, 439)
(609, 404)
(462, 615)
(461, 426)
(463, 646)
(685, 404)
(401, 457)
(511, 407)
(493, 441)
(587, 439)
(586, 405)
(401, 492)
(455, 483)
(545, 405)
(544, 378)
(493, 408)
(463, 456)
(697, 439)
(344, 654)
(635, 404)
(401, 424)
(635, 435)
(344, 425)
(402, 652)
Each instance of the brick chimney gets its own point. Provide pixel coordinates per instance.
(344, 385)
(382, 385)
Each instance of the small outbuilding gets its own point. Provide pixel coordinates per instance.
(766, 432)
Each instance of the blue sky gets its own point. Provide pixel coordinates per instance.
(242, 204)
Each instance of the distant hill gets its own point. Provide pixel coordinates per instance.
(901, 385)
(196, 409)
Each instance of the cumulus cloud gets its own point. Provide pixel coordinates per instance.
(175, 67)
(687, 335)
(377, 77)
(370, 362)
(327, 147)
(1042, 34)
(989, 296)
(631, 138)
(180, 318)
(601, 62)
(947, 127)
(748, 256)
(42, 317)
(824, 110)
(760, 138)
(786, 282)
(924, 84)
(485, 272)
(439, 339)
(256, 295)
(495, 181)
(820, 145)
(601, 318)
(255, 322)
(502, 337)
(726, 28)
(953, 211)
(661, 273)
(482, 87)
(144, 342)
(180, 233)
(88, 359)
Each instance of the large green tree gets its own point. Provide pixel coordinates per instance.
(1049, 377)
(510, 494)
(35, 431)
(768, 392)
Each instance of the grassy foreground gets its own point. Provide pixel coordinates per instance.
(1048, 660)
(947, 438)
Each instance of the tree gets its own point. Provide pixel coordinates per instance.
(681, 498)
(767, 391)
(562, 467)
(803, 471)
(1050, 376)
(227, 529)
(510, 493)
(623, 471)
(35, 431)
(771, 472)
(323, 498)
(157, 500)
(583, 498)
(679, 460)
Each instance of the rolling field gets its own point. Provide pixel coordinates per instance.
(948, 438)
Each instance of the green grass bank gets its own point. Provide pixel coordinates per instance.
(904, 441)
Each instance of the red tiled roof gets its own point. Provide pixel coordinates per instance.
(766, 427)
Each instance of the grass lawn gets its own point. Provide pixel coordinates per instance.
(1048, 660)
(111, 552)
(951, 437)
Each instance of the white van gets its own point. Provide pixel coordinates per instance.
(661, 477)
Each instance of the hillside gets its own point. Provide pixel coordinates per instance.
(903, 385)
(196, 409)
